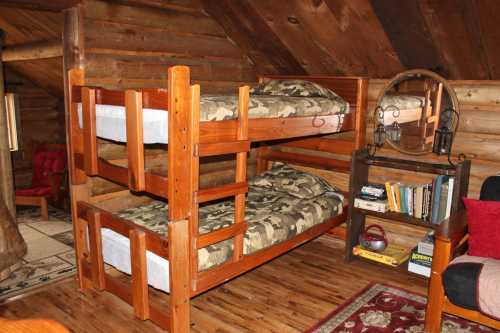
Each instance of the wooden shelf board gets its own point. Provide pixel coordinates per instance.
(394, 163)
(397, 217)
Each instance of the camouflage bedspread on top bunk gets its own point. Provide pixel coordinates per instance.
(281, 203)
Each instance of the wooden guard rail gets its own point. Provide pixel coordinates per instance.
(141, 240)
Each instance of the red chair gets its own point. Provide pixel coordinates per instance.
(49, 172)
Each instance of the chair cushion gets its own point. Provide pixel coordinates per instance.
(34, 191)
(483, 218)
(474, 283)
(45, 163)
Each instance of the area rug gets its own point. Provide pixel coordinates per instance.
(50, 255)
(381, 308)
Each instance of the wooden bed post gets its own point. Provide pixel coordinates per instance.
(180, 194)
(361, 106)
(73, 56)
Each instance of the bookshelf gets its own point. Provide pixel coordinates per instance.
(361, 163)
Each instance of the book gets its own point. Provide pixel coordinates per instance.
(374, 205)
(436, 196)
(402, 197)
(389, 196)
(397, 194)
(420, 263)
(409, 199)
(451, 184)
(393, 255)
(418, 201)
(443, 199)
(426, 245)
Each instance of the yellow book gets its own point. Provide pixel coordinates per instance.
(398, 198)
(389, 196)
(393, 255)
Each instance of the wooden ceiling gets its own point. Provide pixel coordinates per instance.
(377, 38)
(457, 38)
(22, 26)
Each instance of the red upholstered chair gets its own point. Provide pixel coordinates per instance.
(49, 172)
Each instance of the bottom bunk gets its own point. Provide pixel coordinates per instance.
(284, 209)
(281, 204)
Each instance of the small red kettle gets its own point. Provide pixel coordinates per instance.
(373, 241)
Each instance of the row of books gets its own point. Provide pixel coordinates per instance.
(429, 202)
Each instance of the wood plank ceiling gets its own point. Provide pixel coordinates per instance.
(23, 26)
(457, 38)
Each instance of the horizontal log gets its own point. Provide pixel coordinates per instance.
(33, 51)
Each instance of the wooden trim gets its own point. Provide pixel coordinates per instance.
(329, 145)
(138, 263)
(221, 235)
(135, 140)
(309, 161)
(222, 148)
(470, 315)
(361, 113)
(74, 133)
(241, 171)
(223, 191)
(178, 240)
(97, 267)
(180, 147)
(224, 272)
(89, 131)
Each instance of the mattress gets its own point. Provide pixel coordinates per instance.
(111, 120)
(281, 203)
(402, 108)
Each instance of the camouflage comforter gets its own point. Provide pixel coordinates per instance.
(281, 203)
(222, 107)
(403, 101)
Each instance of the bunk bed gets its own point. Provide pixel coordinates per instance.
(208, 239)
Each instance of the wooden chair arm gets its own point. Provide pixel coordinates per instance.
(55, 191)
(453, 229)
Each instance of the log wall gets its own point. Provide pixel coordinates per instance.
(42, 120)
(132, 46)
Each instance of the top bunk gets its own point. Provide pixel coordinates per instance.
(284, 111)
(189, 126)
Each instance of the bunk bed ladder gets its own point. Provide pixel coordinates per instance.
(238, 189)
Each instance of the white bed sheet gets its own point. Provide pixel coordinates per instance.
(111, 123)
(116, 252)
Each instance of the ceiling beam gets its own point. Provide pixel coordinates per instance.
(33, 51)
(41, 5)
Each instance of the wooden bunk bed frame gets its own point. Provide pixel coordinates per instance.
(189, 139)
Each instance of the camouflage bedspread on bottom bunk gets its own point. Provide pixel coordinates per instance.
(281, 203)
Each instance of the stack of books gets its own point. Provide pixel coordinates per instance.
(421, 256)
(429, 202)
(372, 197)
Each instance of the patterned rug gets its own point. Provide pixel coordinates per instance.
(50, 255)
(383, 309)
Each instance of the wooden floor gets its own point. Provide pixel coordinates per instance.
(289, 294)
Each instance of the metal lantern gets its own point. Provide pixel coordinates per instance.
(443, 136)
(394, 132)
(443, 140)
(379, 135)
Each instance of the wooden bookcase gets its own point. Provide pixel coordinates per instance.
(361, 162)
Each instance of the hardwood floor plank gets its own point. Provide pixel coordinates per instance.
(289, 294)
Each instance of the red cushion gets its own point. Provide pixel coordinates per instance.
(483, 218)
(45, 163)
(34, 192)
